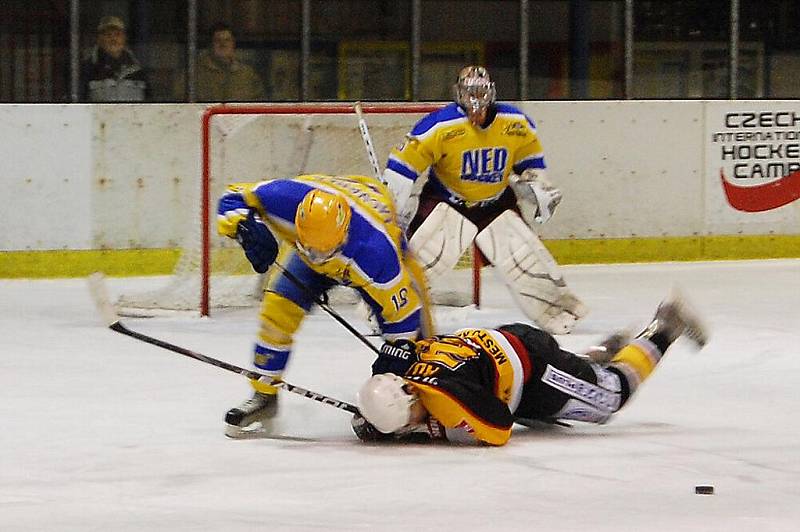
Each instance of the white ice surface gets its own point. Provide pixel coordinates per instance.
(103, 432)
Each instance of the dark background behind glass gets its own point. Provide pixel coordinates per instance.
(361, 49)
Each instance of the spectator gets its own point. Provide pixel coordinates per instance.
(112, 73)
(220, 76)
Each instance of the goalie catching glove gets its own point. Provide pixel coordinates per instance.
(537, 198)
(257, 241)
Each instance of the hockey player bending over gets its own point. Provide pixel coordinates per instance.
(335, 230)
(487, 184)
(472, 385)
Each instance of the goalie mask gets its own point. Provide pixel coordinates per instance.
(385, 403)
(322, 221)
(474, 92)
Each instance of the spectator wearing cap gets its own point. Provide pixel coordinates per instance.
(221, 77)
(111, 73)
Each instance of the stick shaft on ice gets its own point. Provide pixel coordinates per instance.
(99, 294)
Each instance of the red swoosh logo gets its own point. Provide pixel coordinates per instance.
(762, 197)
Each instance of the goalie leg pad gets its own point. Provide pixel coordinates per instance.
(441, 239)
(531, 273)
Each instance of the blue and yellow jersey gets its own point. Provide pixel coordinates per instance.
(373, 258)
(468, 162)
(471, 381)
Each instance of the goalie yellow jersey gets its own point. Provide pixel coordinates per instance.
(468, 163)
(471, 381)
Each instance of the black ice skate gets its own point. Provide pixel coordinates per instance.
(253, 418)
(674, 318)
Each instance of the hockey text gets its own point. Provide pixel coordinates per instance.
(486, 165)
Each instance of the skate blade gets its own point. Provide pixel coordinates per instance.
(254, 431)
(238, 433)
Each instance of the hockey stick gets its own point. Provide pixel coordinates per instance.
(322, 301)
(365, 136)
(99, 292)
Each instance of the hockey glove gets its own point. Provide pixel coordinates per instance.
(536, 195)
(396, 357)
(430, 430)
(259, 246)
(605, 351)
(366, 431)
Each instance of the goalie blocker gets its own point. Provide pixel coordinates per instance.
(522, 262)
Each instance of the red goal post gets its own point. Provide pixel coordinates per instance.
(308, 109)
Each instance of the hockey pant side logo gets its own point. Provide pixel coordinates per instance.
(594, 403)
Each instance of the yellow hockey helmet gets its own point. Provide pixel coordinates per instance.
(322, 221)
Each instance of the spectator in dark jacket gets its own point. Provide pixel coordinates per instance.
(111, 73)
(221, 77)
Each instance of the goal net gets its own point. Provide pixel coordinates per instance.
(250, 143)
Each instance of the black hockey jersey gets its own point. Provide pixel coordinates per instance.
(471, 381)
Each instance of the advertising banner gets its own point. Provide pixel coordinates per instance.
(752, 166)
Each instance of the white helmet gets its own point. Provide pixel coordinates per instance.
(384, 402)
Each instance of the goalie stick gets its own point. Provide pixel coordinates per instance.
(365, 136)
(99, 293)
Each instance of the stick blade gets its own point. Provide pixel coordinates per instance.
(102, 301)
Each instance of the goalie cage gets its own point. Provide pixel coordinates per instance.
(250, 143)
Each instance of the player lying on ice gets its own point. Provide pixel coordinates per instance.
(487, 183)
(470, 386)
(335, 230)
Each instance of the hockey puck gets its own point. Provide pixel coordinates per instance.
(704, 490)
